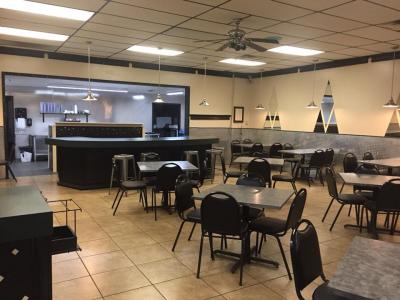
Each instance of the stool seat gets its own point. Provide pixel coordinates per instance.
(133, 184)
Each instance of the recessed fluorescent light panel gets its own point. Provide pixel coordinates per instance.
(53, 93)
(154, 50)
(242, 62)
(295, 51)
(46, 9)
(84, 89)
(138, 97)
(175, 93)
(33, 34)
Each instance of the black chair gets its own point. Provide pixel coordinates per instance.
(316, 163)
(236, 150)
(149, 178)
(185, 206)
(256, 181)
(274, 150)
(329, 155)
(7, 163)
(344, 199)
(165, 184)
(260, 167)
(386, 201)
(290, 158)
(368, 156)
(277, 227)
(247, 141)
(131, 185)
(307, 262)
(257, 148)
(221, 215)
(291, 178)
(350, 162)
(229, 174)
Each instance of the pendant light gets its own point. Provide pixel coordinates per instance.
(391, 103)
(158, 97)
(312, 104)
(204, 101)
(89, 97)
(260, 106)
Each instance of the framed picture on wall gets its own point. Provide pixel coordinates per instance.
(238, 114)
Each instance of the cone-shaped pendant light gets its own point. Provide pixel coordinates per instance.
(312, 104)
(89, 97)
(204, 101)
(391, 103)
(159, 99)
(260, 106)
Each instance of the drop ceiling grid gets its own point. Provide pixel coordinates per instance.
(181, 22)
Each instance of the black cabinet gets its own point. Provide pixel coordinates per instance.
(25, 244)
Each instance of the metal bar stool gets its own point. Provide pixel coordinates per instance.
(123, 160)
(213, 153)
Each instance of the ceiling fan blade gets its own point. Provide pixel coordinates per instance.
(255, 46)
(211, 41)
(223, 47)
(266, 40)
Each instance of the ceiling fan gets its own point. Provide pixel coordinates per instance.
(236, 40)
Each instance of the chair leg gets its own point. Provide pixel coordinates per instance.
(112, 179)
(294, 186)
(341, 189)
(119, 201)
(242, 262)
(155, 205)
(284, 257)
(146, 205)
(11, 172)
(326, 212)
(257, 235)
(116, 197)
(200, 253)
(210, 240)
(351, 205)
(361, 218)
(177, 236)
(274, 184)
(337, 215)
(261, 243)
(191, 232)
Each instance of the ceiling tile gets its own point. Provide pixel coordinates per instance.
(380, 47)
(93, 47)
(313, 4)
(99, 43)
(333, 56)
(208, 2)
(132, 56)
(346, 40)
(149, 43)
(266, 9)
(206, 26)
(128, 23)
(257, 23)
(177, 40)
(376, 33)
(192, 34)
(23, 24)
(285, 39)
(178, 7)
(91, 35)
(134, 12)
(222, 15)
(324, 21)
(366, 12)
(389, 3)
(82, 52)
(116, 30)
(355, 52)
(297, 30)
(91, 5)
(317, 45)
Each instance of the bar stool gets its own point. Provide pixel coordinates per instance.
(192, 156)
(123, 160)
(213, 153)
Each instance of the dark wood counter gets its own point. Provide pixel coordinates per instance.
(85, 163)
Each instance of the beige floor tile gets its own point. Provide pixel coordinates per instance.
(106, 262)
(186, 288)
(255, 292)
(225, 282)
(142, 255)
(97, 247)
(145, 293)
(81, 288)
(138, 239)
(64, 257)
(69, 269)
(285, 287)
(163, 270)
(120, 280)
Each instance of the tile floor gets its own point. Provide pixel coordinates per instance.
(128, 256)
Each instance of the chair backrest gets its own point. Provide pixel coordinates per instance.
(317, 159)
(368, 156)
(260, 167)
(150, 156)
(288, 146)
(306, 256)
(257, 147)
(247, 141)
(274, 150)
(296, 209)
(183, 195)
(221, 214)
(251, 180)
(388, 196)
(328, 156)
(167, 175)
(350, 162)
(367, 169)
(235, 146)
(331, 182)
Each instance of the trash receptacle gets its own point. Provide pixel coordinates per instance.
(26, 153)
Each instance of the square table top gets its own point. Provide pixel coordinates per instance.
(305, 151)
(365, 179)
(385, 162)
(154, 166)
(272, 161)
(370, 268)
(259, 197)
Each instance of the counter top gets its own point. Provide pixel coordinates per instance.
(87, 142)
(98, 124)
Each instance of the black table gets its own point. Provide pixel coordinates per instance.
(154, 166)
(247, 159)
(248, 196)
(389, 163)
(370, 269)
(373, 181)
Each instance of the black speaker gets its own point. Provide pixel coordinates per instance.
(29, 122)
(20, 112)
